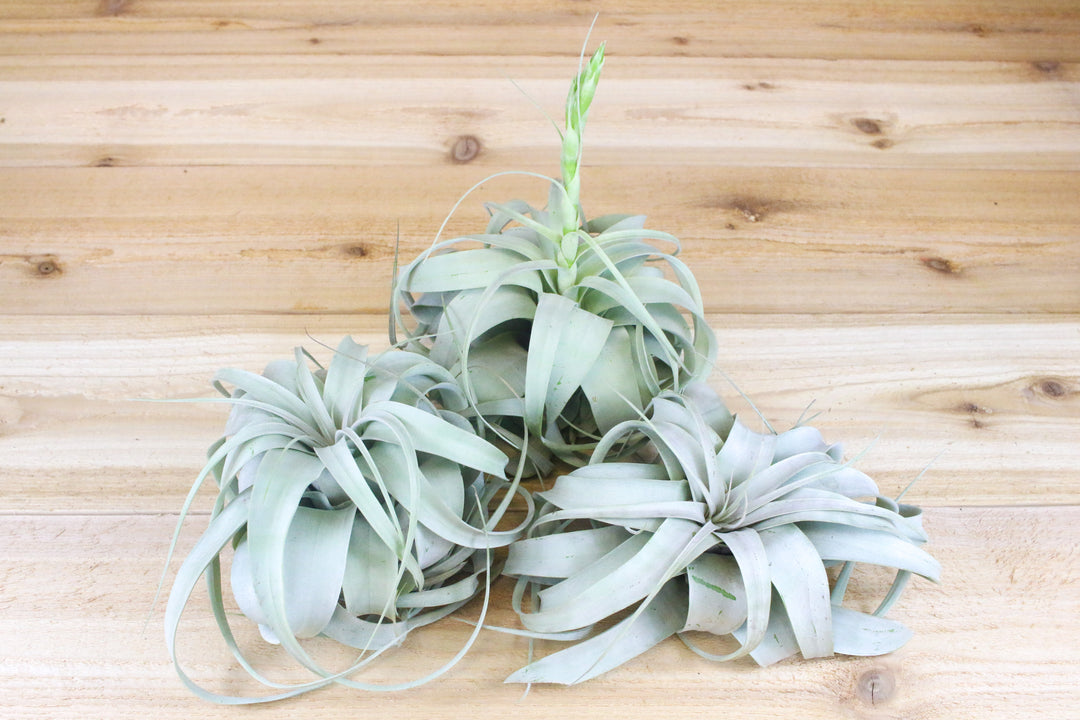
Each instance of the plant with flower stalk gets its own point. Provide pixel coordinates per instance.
(559, 327)
(364, 500)
(725, 531)
(360, 505)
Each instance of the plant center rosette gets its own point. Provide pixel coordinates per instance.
(359, 502)
(559, 327)
(723, 530)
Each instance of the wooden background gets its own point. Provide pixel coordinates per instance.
(880, 200)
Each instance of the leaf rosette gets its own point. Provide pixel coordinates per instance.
(359, 502)
(364, 500)
(559, 327)
(724, 530)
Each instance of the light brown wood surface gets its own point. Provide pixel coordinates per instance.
(881, 202)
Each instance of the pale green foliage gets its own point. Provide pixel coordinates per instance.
(360, 504)
(362, 500)
(721, 530)
(558, 332)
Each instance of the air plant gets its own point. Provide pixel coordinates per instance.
(359, 502)
(724, 530)
(364, 500)
(559, 327)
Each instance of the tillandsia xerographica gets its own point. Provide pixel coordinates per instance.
(560, 327)
(359, 502)
(723, 530)
(364, 500)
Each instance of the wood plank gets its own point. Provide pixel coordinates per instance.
(761, 240)
(994, 640)
(996, 397)
(208, 111)
(922, 29)
(545, 76)
(879, 200)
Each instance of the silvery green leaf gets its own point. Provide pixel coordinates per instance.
(282, 479)
(835, 541)
(314, 566)
(717, 601)
(270, 396)
(612, 223)
(462, 270)
(430, 434)
(744, 454)
(338, 459)
(343, 390)
(561, 555)
(564, 343)
(588, 489)
(604, 651)
(800, 580)
(600, 591)
(779, 641)
(221, 530)
(857, 633)
(611, 385)
(467, 318)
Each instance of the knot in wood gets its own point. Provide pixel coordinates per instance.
(942, 265)
(866, 125)
(1048, 67)
(465, 149)
(876, 685)
(45, 266)
(1054, 388)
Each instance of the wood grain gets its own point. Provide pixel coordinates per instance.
(317, 239)
(91, 111)
(956, 29)
(959, 394)
(969, 659)
(879, 201)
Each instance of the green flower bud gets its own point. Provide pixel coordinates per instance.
(582, 91)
